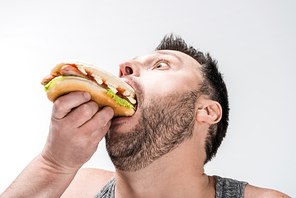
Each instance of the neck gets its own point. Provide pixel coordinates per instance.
(177, 174)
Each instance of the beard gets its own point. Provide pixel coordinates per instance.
(165, 122)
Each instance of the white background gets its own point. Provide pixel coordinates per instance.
(253, 40)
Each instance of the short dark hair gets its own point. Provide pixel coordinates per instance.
(212, 86)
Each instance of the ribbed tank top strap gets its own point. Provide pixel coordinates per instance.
(229, 188)
(108, 190)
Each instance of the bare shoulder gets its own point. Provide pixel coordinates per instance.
(253, 191)
(88, 182)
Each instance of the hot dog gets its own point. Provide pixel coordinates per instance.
(105, 88)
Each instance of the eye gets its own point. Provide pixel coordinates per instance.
(161, 65)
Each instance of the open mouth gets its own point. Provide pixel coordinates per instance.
(136, 107)
(131, 84)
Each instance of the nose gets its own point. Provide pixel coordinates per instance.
(127, 68)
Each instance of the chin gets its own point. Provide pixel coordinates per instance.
(121, 125)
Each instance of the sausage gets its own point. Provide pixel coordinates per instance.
(69, 70)
(47, 79)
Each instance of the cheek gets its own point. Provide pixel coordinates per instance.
(160, 84)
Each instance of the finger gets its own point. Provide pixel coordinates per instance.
(63, 105)
(96, 136)
(99, 134)
(80, 115)
(101, 121)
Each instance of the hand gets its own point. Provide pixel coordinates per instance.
(77, 126)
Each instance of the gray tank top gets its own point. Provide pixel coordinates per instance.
(225, 188)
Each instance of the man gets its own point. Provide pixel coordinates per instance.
(180, 122)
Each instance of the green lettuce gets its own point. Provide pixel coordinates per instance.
(120, 101)
(53, 81)
(56, 79)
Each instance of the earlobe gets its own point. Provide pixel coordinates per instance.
(210, 112)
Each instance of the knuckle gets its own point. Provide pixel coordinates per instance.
(58, 110)
(89, 109)
(99, 122)
(102, 120)
(67, 125)
(85, 110)
(59, 105)
(94, 105)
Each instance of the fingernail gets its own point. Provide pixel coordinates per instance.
(106, 123)
(112, 112)
(87, 95)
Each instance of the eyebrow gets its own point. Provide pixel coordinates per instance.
(159, 52)
(169, 53)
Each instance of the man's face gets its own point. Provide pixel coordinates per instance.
(166, 84)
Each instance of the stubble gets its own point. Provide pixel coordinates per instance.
(164, 124)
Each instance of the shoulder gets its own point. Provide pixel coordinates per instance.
(253, 191)
(88, 182)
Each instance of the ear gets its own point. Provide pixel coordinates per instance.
(209, 112)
